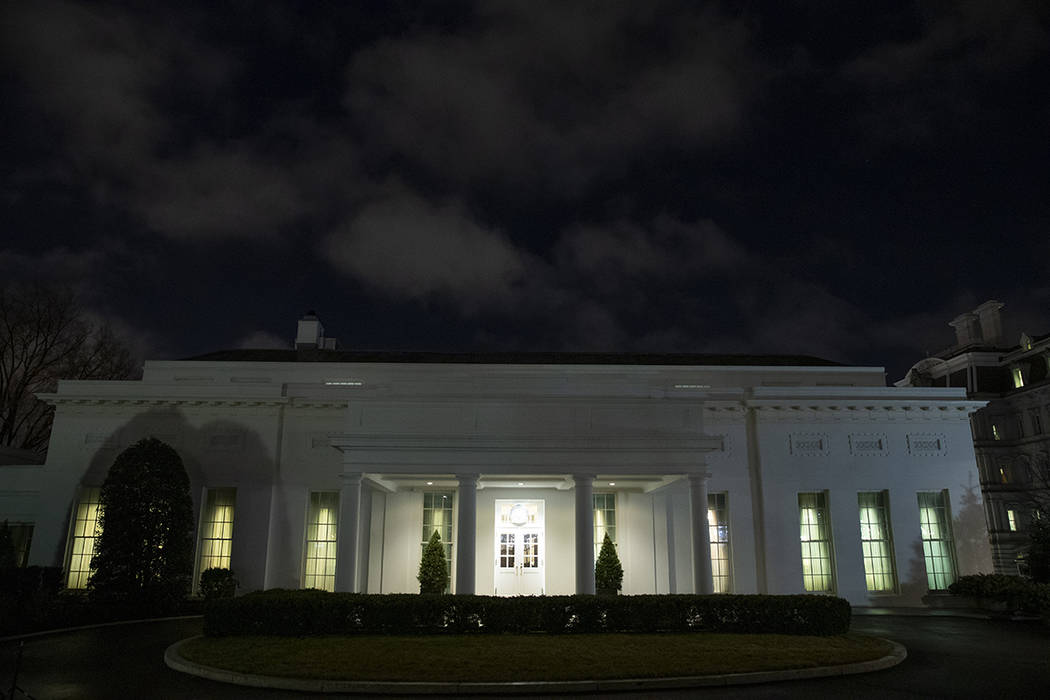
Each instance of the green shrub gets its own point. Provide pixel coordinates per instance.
(1039, 550)
(608, 573)
(1017, 592)
(990, 586)
(218, 583)
(144, 554)
(433, 567)
(311, 612)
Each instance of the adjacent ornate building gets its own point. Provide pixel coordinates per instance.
(327, 468)
(1010, 436)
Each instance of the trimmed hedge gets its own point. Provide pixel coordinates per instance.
(311, 613)
(1016, 592)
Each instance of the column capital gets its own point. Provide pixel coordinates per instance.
(699, 477)
(351, 478)
(583, 479)
(471, 479)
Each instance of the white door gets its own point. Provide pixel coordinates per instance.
(519, 548)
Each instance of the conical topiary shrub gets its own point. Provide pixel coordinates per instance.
(608, 574)
(433, 570)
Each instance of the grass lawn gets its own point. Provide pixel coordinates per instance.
(526, 657)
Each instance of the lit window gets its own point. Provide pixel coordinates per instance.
(995, 432)
(817, 574)
(718, 529)
(1011, 519)
(1004, 476)
(322, 525)
(1018, 377)
(85, 529)
(877, 548)
(437, 515)
(604, 520)
(217, 530)
(937, 546)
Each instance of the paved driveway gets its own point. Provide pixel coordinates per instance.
(947, 657)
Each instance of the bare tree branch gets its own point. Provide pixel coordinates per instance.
(44, 337)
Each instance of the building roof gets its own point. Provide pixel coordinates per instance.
(512, 358)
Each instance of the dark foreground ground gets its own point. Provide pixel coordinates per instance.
(947, 657)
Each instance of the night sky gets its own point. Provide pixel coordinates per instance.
(827, 178)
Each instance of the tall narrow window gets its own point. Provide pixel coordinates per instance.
(718, 529)
(82, 538)
(1011, 519)
(21, 535)
(880, 574)
(604, 520)
(1018, 377)
(437, 515)
(1036, 420)
(217, 529)
(937, 546)
(817, 574)
(322, 524)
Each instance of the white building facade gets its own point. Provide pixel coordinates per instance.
(321, 468)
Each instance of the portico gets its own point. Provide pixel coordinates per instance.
(533, 473)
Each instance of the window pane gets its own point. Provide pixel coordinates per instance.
(937, 546)
(82, 545)
(322, 524)
(604, 520)
(817, 574)
(217, 529)
(437, 515)
(718, 529)
(879, 571)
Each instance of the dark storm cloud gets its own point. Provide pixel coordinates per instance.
(532, 175)
(927, 84)
(555, 93)
(214, 193)
(407, 247)
(98, 74)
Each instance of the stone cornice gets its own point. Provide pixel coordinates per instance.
(169, 401)
(882, 411)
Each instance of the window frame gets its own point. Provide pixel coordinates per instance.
(721, 546)
(87, 496)
(21, 534)
(327, 547)
(448, 527)
(201, 539)
(941, 502)
(822, 543)
(606, 497)
(881, 506)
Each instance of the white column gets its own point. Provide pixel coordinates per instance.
(584, 532)
(349, 531)
(702, 581)
(466, 535)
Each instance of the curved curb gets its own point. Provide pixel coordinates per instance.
(174, 660)
(114, 623)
